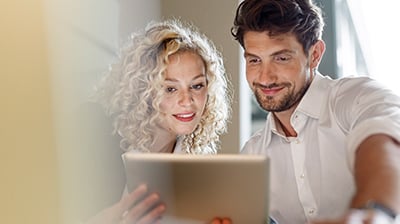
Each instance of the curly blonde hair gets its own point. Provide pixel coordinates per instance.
(131, 91)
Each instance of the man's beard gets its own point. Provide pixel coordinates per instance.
(269, 104)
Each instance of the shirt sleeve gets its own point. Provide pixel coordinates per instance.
(367, 108)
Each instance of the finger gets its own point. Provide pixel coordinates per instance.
(226, 221)
(127, 201)
(154, 216)
(142, 207)
(216, 221)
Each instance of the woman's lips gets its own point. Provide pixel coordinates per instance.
(185, 117)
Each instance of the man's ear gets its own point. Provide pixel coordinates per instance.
(316, 53)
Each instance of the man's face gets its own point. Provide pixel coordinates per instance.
(277, 70)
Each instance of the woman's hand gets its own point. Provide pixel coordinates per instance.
(137, 207)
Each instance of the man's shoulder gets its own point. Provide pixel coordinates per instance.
(257, 134)
(349, 86)
(253, 142)
(351, 80)
(357, 81)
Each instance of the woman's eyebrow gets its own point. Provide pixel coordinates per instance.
(177, 80)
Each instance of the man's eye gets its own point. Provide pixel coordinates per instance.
(282, 58)
(253, 60)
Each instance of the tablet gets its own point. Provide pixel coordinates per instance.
(197, 188)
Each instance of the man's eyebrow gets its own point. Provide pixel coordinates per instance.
(283, 51)
(247, 54)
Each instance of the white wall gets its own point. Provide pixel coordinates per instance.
(82, 40)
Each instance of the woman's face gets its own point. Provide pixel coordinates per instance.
(185, 93)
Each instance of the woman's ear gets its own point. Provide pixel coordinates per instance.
(316, 53)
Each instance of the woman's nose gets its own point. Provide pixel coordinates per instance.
(186, 98)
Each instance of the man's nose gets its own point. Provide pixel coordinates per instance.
(267, 74)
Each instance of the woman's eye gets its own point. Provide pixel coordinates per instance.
(170, 90)
(198, 86)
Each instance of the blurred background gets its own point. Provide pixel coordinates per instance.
(57, 155)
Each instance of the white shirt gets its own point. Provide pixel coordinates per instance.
(312, 174)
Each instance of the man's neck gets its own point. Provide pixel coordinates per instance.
(283, 119)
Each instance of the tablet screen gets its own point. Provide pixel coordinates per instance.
(197, 188)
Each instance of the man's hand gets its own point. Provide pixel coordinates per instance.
(221, 221)
(357, 216)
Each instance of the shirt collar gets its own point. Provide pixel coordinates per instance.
(311, 102)
(310, 105)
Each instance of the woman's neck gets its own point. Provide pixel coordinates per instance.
(164, 141)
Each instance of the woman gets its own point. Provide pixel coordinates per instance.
(168, 93)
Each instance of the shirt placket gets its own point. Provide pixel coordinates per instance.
(298, 150)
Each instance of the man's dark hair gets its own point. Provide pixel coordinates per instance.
(299, 17)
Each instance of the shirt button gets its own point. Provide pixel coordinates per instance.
(297, 141)
(311, 211)
(302, 176)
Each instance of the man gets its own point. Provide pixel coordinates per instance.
(333, 144)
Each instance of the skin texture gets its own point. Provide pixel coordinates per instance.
(279, 72)
(276, 70)
(185, 94)
(137, 214)
(221, 221)
(377, 173)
